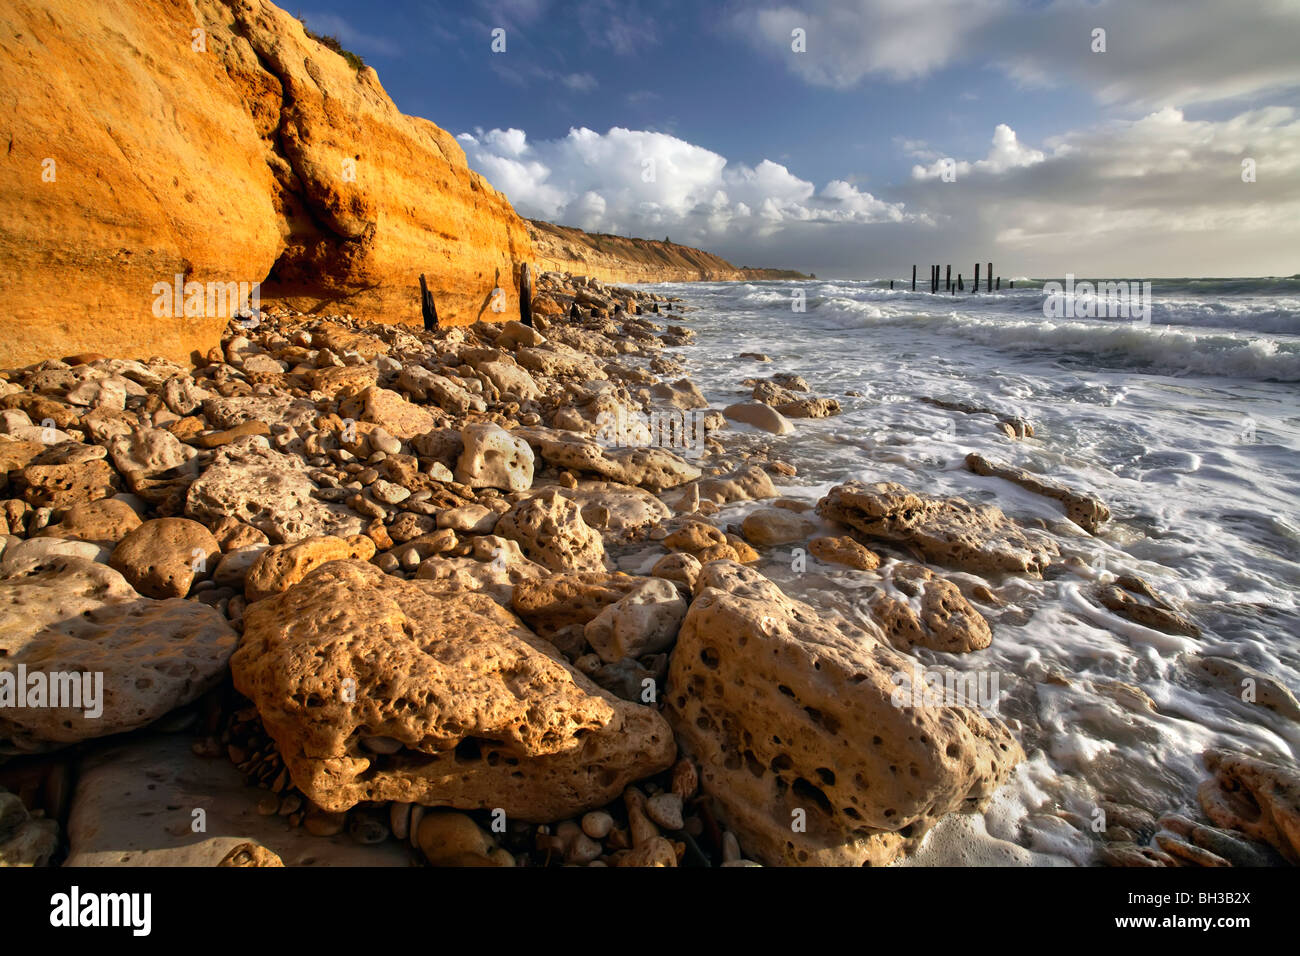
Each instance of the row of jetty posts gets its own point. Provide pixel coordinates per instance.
(960, 284)
(429, 311)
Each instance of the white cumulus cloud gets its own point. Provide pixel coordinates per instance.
(1006, 152)
(646, 183)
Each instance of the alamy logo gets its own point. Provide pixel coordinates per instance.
(74, 908)
(75, 690)
(205, 300)
(679, 431)
(1102, 300)
(932, 688)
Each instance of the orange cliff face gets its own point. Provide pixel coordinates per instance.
(146, 143)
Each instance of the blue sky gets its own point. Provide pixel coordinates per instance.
(1125, 161)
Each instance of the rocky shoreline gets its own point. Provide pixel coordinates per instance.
(359, 594)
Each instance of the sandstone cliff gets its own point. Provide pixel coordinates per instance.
(217, 141)
(623, 259)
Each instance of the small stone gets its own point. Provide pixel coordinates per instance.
(380, 440)
(597, 824)
(388, 492)
(493, 458)
(323, 823)
(289, 804)
(656, 852)
(844, 550)
(399, 820)
(367, 827)
(665, 809)
(453, 839)
(251, 854)
(730, 847)
(685, 779)
(575, 844)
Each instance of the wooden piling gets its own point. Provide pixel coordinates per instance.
(947, 279)
(913, 278)
(976, 286)
(891, 285)
(526, 296)
(427, 309)
(961, 286)
(999, 283)
(988, 283)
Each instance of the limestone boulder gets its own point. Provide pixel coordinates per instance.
(769, 393)
(760, 416)
(809, 408)
(551, 531)
(343, 380)
(783, 712)
(447, 393)
(162, 558)
(468, 519)
(395, 414)
(555, 359)
(617, 508)
(652, 468)
(148, 451)
(1085, 510)
(182, 396)
(25, 840)
(493, 458)
(106, 521)
(749, 483)
(61, 487)
(271, 491)
(226, 413)
(644, 621)
(1135, 599)
(68, 615)
(1260, 798)
(279, 567)
(683, 394)
(474, 710)
(510, 378)
(770, 527)
(228, 435)
(21, 556)
(516, 333)
(557, 602)
(680, 568)
(951, 532)
(931, 613)
(843, 550)
(1235, 676)
(496, 567)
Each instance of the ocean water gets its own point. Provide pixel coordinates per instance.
(1187, 427)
